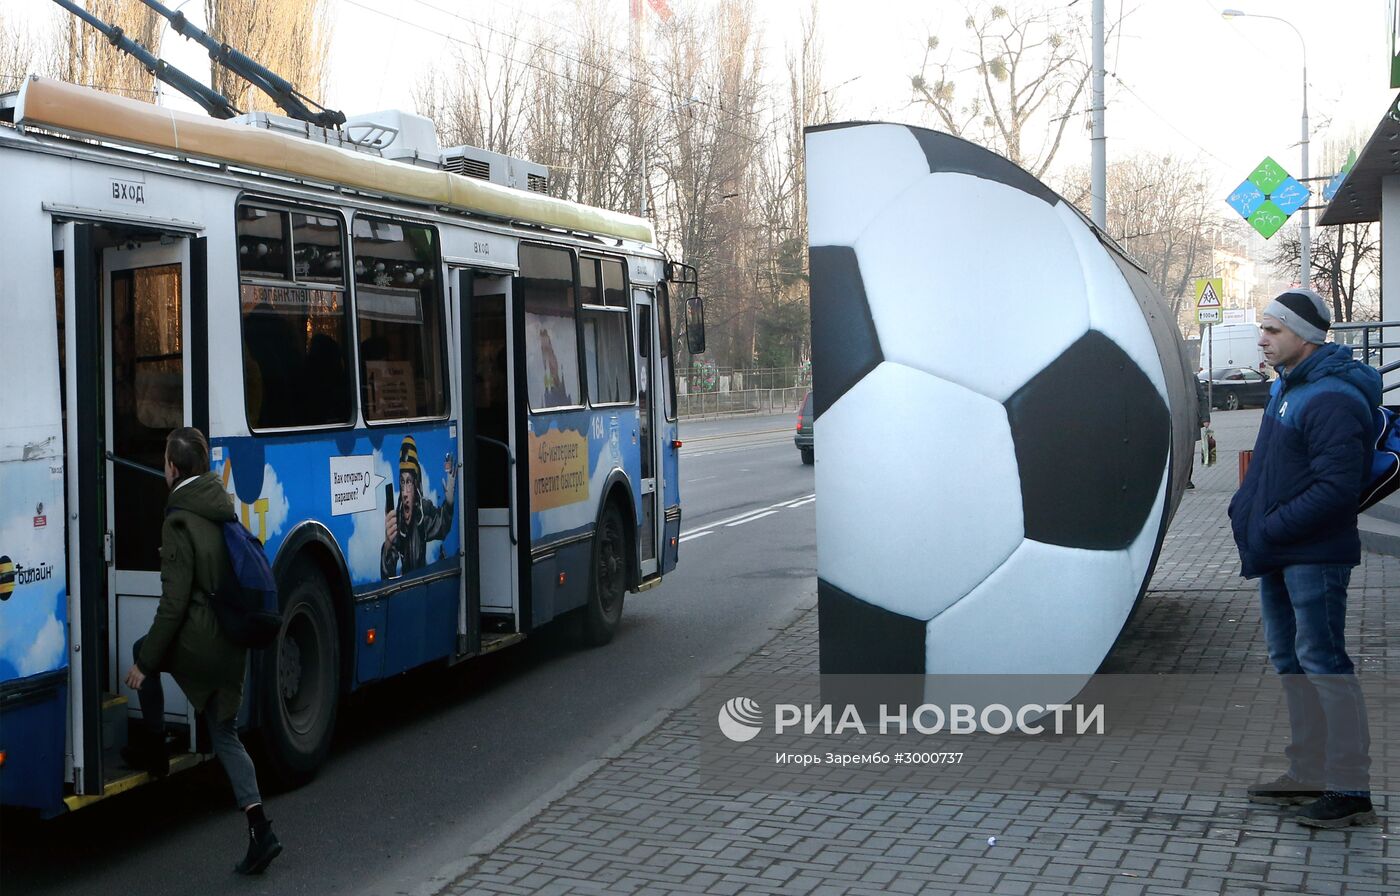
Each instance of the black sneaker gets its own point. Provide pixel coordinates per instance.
(263, 847)
(1337, 810)
(1284, 790)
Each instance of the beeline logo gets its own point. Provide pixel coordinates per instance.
(740, 719)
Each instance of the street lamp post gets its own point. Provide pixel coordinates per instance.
(1306, 273)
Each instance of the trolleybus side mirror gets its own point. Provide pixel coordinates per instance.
(680, 272)
(695, 325)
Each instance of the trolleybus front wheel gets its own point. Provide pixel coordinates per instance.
(300, 682)
(604, 608)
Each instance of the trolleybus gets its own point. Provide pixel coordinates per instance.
(443, 399)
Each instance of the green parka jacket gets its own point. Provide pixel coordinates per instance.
(185, 639)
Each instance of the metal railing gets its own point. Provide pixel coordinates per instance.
(712, 391)
(743, 401)
(1371, 346)
(732, 379)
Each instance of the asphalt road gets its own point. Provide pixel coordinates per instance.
(428, 765)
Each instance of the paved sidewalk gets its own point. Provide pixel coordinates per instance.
(645, 821)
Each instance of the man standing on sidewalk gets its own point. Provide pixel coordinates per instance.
(1294, 520)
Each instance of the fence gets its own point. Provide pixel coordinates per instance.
(1368, 340)
(705, 390)
(744, 401)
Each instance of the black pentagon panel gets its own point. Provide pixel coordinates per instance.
(859, 638)
(837, 126)
(954, 154)
(844, 344)
(1091, 436)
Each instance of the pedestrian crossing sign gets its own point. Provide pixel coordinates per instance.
(1208, 290)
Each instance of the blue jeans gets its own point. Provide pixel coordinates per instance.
(1304, 609)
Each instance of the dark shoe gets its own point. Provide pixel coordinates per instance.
(1282, 791)
(1337, 810)
(147, 753)
(263, 847)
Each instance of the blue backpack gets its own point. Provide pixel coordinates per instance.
(245, 603)
(1384, 476)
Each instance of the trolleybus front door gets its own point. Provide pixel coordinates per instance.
(146, 310)
(493, 391)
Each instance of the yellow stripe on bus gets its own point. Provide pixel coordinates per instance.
(134, 780)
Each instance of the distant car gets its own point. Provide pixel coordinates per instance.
(1238, 387)
(803, 439)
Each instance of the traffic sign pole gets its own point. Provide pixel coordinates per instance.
(1210, 372)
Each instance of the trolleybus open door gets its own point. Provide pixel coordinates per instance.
(490, 386)
(128, 343)
(145, 294)
(649, 381)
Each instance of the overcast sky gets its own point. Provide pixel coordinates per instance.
(1182, 79)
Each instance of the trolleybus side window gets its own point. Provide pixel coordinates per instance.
(551, 327)
(398, 305)
(296, 333)
(606, 328)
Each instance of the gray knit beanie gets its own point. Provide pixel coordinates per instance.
(1304, 312)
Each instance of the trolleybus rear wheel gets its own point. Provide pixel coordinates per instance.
(604, 608)
(300, 682)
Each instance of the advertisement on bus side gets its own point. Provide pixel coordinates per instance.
(33, 580)
(387, 496)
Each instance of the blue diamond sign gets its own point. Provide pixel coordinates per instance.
(1246, 199)
(1289, 196)
(1335, 183)
(1268, 197)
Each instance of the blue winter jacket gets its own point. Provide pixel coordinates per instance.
(1297, 503)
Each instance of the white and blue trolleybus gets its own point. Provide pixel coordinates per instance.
(444, 400)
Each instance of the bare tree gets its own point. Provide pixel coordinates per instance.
(783, 295)
(291, 37)
(1163, 211)
(16, 53)
(480, 98)
(581, 112)
(86, 57)
(714, 136)
(1346, 261)
(1017, 92)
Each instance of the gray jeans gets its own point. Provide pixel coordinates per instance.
(237, 764)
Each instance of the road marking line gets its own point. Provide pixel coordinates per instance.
(702, 534)
(751, 518)
(748, 515)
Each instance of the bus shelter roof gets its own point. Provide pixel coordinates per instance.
(1358, 200)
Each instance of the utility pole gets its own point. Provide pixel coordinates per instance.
(1098, 187)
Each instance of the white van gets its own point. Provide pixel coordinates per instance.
(1231, 345)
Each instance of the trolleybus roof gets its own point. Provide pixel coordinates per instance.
(68, 108)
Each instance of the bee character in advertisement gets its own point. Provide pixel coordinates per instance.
(413, 522)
